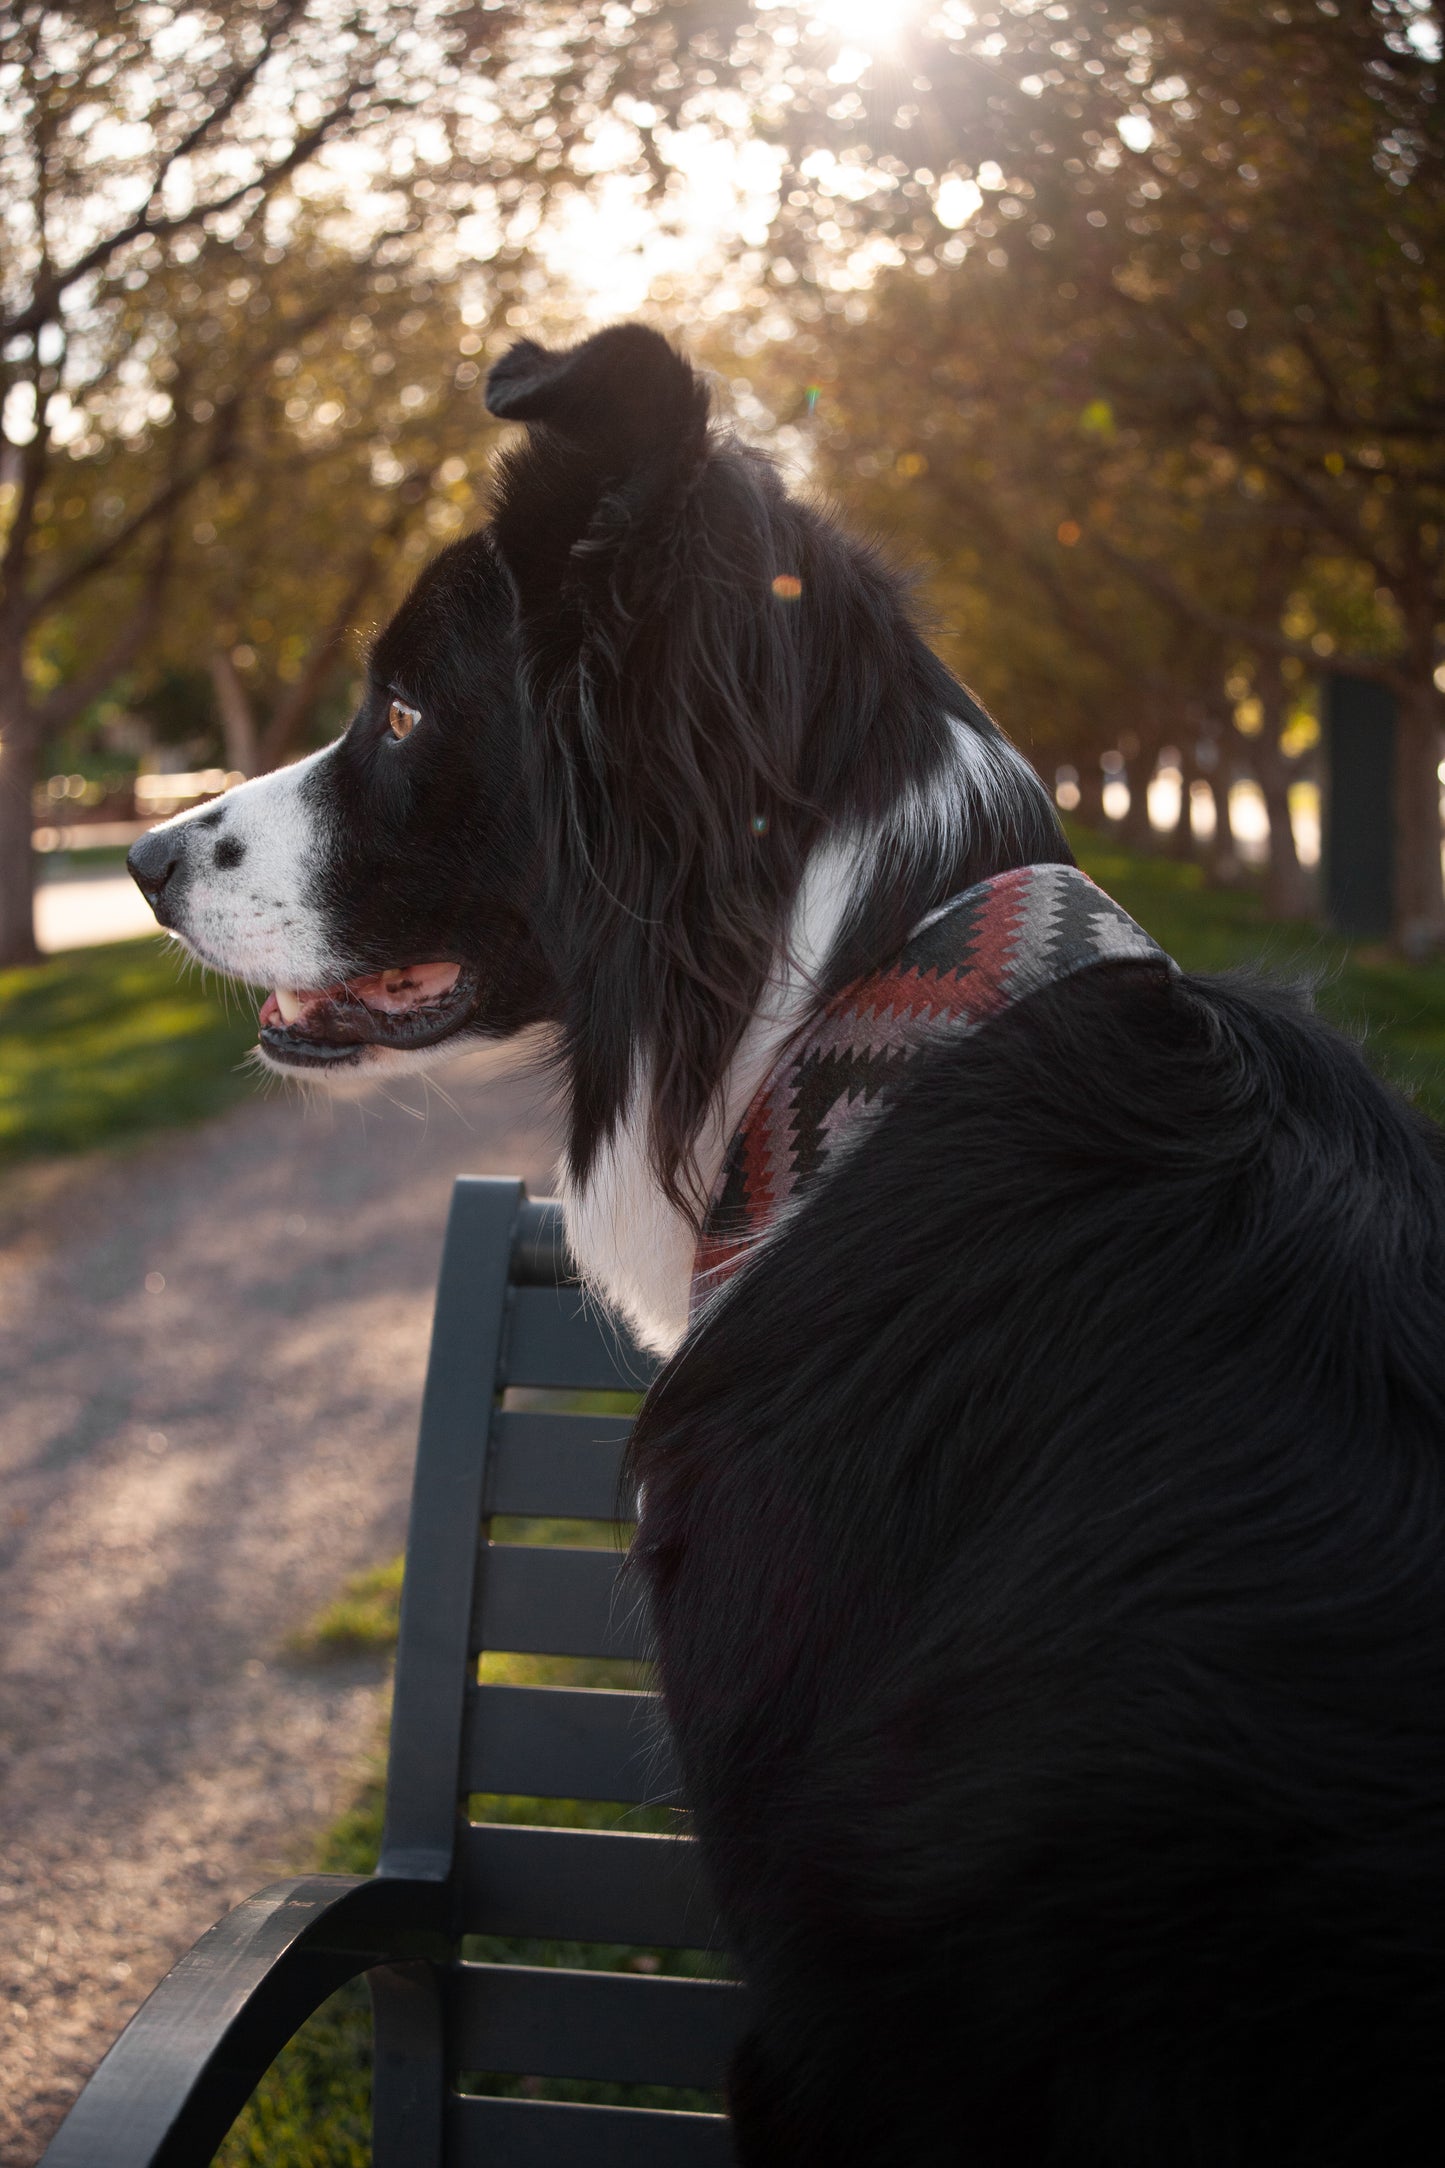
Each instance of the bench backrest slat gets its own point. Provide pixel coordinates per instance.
(584, 1885)
(553, 2134)
(556, 1466)
(557, 1742)
(434, 1645)
(557, 1336)
(512, 1325)
(554, 2023)
(557, 1601)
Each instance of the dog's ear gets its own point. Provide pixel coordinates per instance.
(660, 665)
(616, 432)
(622, 395)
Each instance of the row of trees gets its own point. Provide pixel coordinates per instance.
(1168, 415)
(251, 250)
(1127, 317)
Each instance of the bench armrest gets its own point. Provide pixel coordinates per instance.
(180, 2073)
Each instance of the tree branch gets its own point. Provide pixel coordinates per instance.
(290, 714)
(41, 307)
(220, 448)
(219, 451)
(1081, 624)
(241, 81)
(71, 699)
(238, 723)
(34, 457)
(1223, 403)
(1247, 632)
(1327, 511)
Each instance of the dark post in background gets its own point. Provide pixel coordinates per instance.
(1357, 842)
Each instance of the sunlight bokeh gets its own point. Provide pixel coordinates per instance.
(617, 246)
(873, 25)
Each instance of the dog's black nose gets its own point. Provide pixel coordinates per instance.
(151, 862)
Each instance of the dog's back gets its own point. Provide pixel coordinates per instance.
(1048, 1539)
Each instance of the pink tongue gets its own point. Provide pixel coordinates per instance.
(394, 992)
(389, 993)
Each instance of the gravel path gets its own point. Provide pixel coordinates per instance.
(211, 1354)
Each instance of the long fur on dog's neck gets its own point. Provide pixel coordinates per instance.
(631, 1238)
(757, 774)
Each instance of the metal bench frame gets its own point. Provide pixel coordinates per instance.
(507, 1315)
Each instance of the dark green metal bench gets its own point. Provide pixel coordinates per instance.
(507, 1320)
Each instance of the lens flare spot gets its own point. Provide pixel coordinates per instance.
(787, 587)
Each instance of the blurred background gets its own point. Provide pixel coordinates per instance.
(1121, 323)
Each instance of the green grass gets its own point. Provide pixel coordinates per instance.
(313, 2107)
(103, 1043)
(1397, 1010)
(108, 1042)
(362, 1621)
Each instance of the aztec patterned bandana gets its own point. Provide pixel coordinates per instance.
(969, 960)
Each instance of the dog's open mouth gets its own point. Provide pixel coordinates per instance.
(411, 1005)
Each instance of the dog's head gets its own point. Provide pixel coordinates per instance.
(381, 886)
(599, 748)
(392, 889)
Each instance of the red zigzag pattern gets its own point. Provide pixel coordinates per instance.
(969, 960)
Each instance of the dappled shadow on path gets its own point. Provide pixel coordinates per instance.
(211, 1353)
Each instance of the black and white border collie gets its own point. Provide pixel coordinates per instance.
(1045, 1526)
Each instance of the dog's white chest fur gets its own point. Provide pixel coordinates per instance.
(630, 1243)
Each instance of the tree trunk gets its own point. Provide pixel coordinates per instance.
(1090, 811)
(1286, 885)
(1221, 856)
(19, 763)
(238, 724)
(284, 733)
(1180, 839)
(290, 723)
(1419, 900)
(1287, 892)
(1135, 824)
(1223, 852)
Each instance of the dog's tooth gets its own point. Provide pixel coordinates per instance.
(288, 1002)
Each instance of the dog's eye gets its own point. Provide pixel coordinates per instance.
(402, 719)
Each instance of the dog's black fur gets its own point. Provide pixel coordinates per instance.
(679, 703)
(1046, 1531)
(1046, 1545)
(440, 835)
